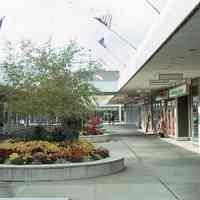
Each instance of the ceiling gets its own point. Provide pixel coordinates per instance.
(181, 54)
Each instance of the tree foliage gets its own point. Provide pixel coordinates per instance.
(49, 81)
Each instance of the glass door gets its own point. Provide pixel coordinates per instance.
(171, 117)
(195, 131)
(195, 120)
(156, 115)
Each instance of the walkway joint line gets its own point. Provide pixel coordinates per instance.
(153, 172)
(167, 188)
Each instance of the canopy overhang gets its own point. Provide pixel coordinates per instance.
(169, 55)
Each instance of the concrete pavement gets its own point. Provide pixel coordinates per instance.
(156, 170)
(123, 130)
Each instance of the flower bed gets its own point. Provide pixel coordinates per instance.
(93, 127)
(43, 152)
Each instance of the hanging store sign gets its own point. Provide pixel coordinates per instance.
(162, 95)
(178, 91)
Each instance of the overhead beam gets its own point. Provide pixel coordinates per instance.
(153, 7)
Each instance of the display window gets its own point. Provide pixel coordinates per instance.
(156, 116)
(194, 110)
(170, 117)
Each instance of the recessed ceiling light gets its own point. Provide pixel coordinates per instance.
(137, 97)
(159, 82)
(171, 76)
(139, 91)
(166, 67)
(192, 49)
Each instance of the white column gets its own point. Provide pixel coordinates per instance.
(198, 125)
(125, 116)
(120, 113)
(176, 117)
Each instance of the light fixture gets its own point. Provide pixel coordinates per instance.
(171, 76)
(159, 82)
(137, 97)
(167, 66)
(192, 50)
(138, 91)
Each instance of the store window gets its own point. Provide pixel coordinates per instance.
(195, 103)
(156, 115)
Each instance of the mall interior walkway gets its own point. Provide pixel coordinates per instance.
(156, 170)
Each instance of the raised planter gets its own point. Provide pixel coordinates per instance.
(61, 172)
(97, 138)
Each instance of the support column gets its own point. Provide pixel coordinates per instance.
(120, 113)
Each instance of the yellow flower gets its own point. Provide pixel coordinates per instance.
(14, 156)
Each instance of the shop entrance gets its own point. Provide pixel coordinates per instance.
(170, 117)
(183, 116)
(195, 111)
(156, 116)
(195, 120)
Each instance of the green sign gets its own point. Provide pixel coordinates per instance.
(178, 91)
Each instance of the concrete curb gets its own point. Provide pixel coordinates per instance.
(55, 172)
(97, 138)
(109, 136)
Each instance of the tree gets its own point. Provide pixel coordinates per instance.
(49, 81)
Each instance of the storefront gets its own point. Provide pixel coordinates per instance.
(176, 113)
(147, 114)
(106, 111)
(156, 115)
(195, 110)
(132, 114)
(170, 117)
(158, 109)
(172, 106)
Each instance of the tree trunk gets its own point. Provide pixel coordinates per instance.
(65, 123)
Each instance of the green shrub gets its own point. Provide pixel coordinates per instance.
(16, 159)
(40, 133)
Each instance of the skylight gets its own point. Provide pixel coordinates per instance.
(121, 26)
(114, 42)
